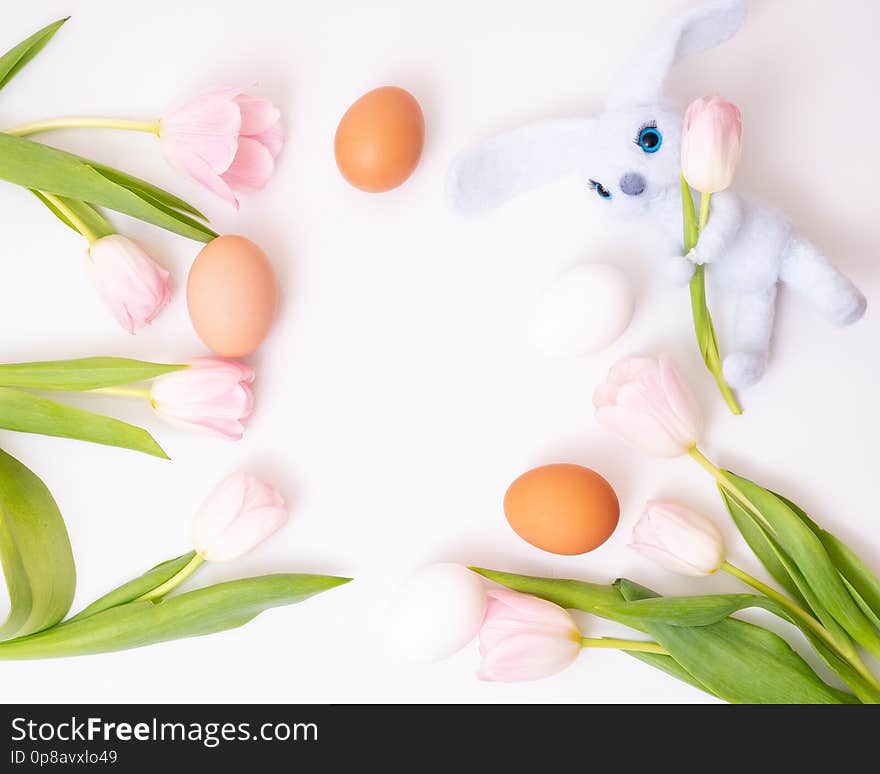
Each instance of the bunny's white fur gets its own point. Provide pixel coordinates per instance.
(747, 247)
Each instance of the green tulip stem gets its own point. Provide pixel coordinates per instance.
(612, 642)
(174, 581)
(82, 122)
(141, 393)
(58, 203)
(725, 483)
(705, 199)
(703, 325)
(776, 596)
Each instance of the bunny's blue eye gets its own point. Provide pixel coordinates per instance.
(649, 138)
(600, 189)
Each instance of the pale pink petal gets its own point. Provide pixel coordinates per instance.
(524, 638)
(605, 395)
(132, 285)
(680, 398)
(238, 515)
(234, 368)
(272, 139)
(534, 611)
(667, 561)
(226, 93)
(212, 394)
(679, 539)
(258, 115)
(645, 402)
(225, 139)
(646, 398)
(252, 167)
(220, 508)
(506, 615)
(207, 130)
(711, 144)
(630, 369)
(524, 657)
(202, 173)
(639, 431)
(682, 529)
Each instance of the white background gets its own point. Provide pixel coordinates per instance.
(397, 396)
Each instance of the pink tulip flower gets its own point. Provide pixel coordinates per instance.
(211, 394)
(679, 539)
(225, 139)
(711, 144)
(646, 404)
(525, 638)
(132, 285)
(238, 515)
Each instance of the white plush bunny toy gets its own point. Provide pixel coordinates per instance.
(630, 157)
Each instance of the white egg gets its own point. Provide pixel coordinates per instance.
(585, 310)
(436, 613)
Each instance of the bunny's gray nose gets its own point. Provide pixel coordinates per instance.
(632, 184)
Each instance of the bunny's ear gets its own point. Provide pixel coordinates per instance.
(513, 162)
(706, 26)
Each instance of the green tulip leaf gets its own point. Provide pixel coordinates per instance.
(133, 589)
(740, 662)
(863, 604)
(763, 546)
(731, 659)
(808, 554)
(574, 594)
(27, 413)
(686, 611)
(16, 58)
(606, 602)
(34, 552)
(803, 593)
(866, 692)
(40, 167)
(193, 614)
(862, 583)
(87, 373)
(87, 215)
(148, 191)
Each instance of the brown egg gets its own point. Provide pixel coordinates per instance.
(232, 295)
(379, 139)
(564, 509)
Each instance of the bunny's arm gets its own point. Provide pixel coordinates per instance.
(725, 218)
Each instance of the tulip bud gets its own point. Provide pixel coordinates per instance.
(645, 402)
(239, 514)
(436, 613)
(211, 394)
(711, 144)
(525, 638)
(679, 539)
(224, 139)
(132, 285)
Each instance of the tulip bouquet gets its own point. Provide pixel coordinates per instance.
(226, 140)
(825, 590)
(710, 149)
(240, 513)
(209, 394)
